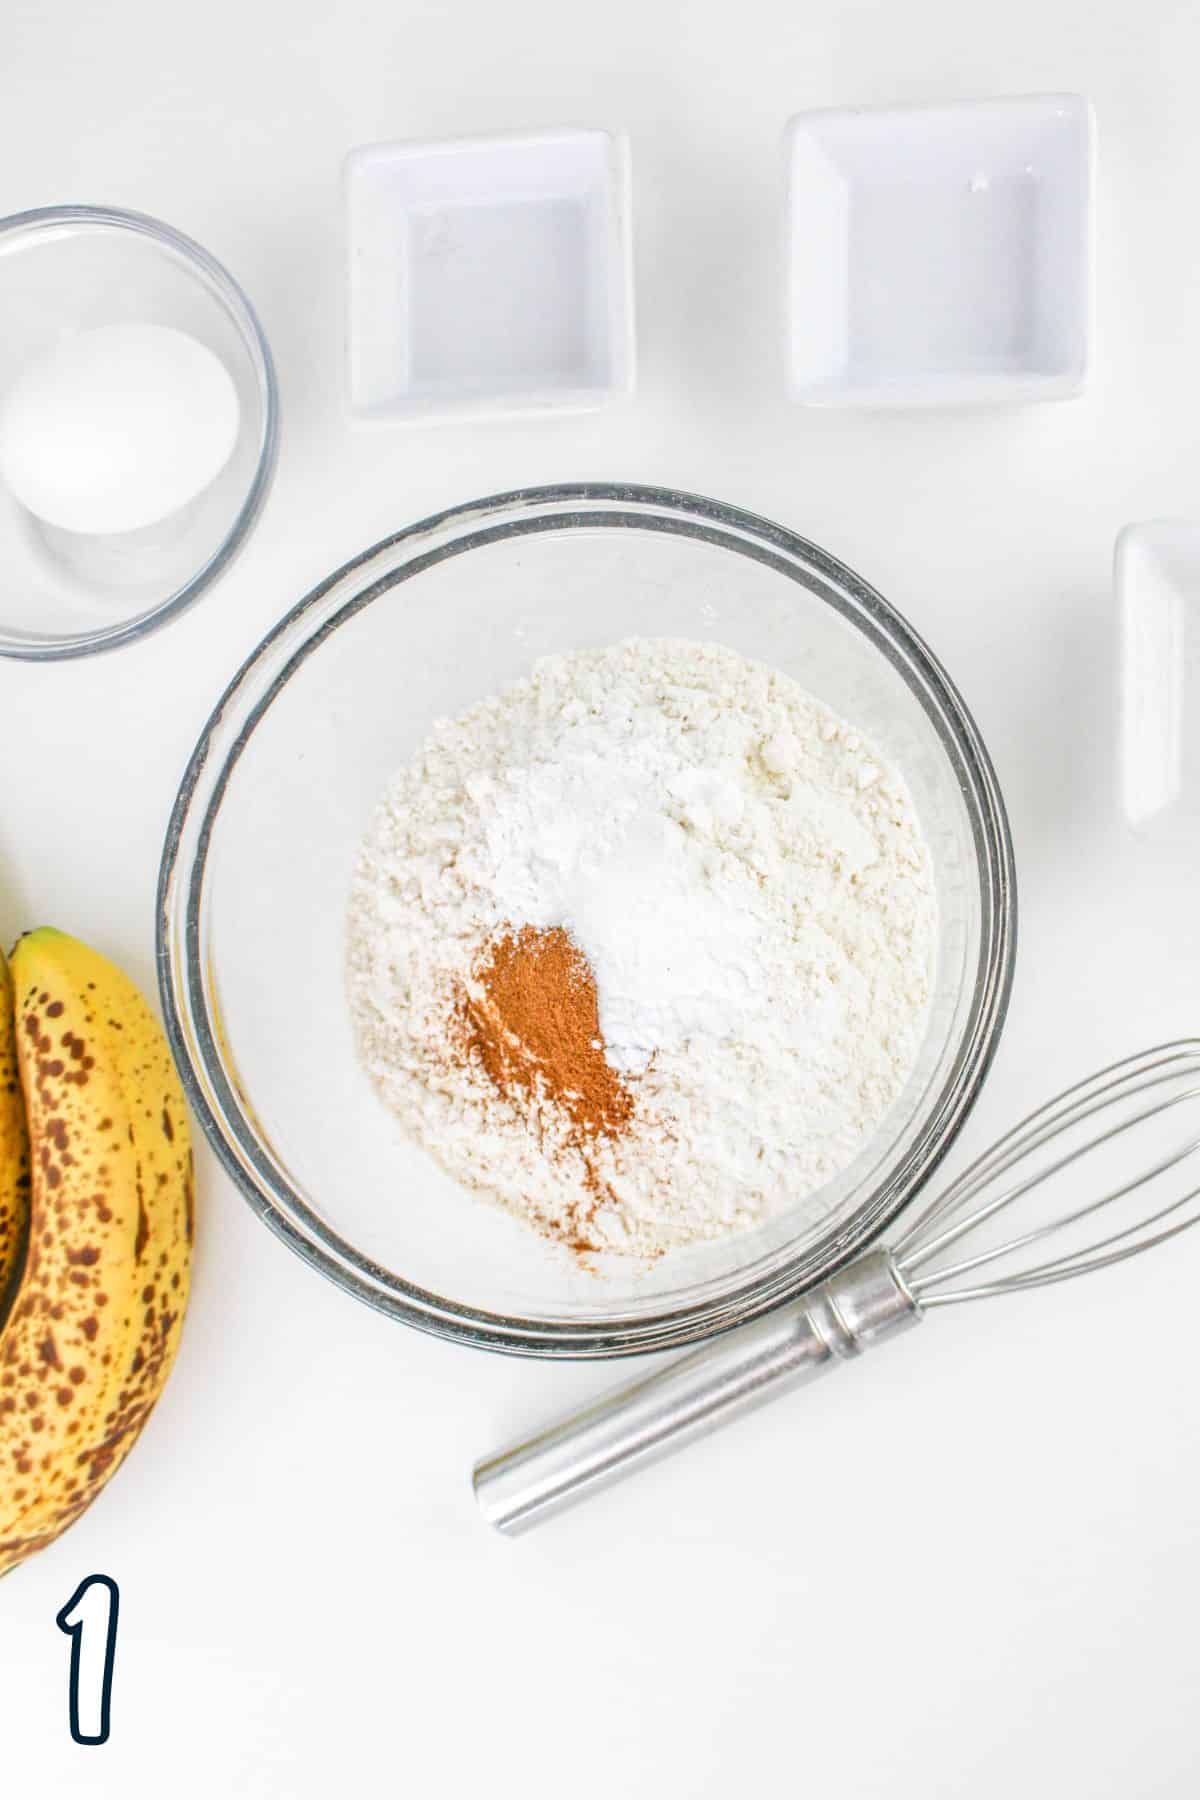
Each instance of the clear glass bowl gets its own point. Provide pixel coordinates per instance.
(69, 268)
(279, 791)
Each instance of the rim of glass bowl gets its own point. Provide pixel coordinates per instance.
(216, 278)
(195, 1033)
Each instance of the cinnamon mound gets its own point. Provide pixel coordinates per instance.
(531, 1019)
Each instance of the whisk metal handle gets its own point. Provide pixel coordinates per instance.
(652, 1417)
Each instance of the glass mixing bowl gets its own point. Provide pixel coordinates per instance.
(69, 268)
(280, 789)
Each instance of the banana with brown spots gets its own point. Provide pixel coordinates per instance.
(95, 1323)
(14, 1152)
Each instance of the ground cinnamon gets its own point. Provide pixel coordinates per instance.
(532, 1020)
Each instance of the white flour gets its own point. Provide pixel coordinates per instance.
(750, 886)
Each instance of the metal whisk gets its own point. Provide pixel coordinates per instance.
(1142, 1112)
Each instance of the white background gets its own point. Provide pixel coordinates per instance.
(969, 1567)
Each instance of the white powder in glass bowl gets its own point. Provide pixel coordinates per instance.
(748, 881)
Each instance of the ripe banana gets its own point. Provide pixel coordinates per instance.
(93, 1329)
(14, 1152)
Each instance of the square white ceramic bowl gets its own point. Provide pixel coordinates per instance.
(489, 275)
(940, 255)
(1157, 580)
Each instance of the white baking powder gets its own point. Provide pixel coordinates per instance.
(750, 885)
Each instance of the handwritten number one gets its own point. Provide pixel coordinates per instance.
(90, 1621)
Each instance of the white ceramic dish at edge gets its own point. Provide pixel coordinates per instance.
(1156, 575)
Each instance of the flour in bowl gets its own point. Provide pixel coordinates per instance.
(642, 946)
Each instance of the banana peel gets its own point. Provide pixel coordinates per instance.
(14, 1152)
(94, 1324)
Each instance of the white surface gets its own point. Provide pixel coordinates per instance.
(1157, 578)
(115, 428)
(309, 1604)
(940, 255)
(489, 275)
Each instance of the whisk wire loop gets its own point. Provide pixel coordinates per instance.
(1150, 1069)
(1052, 1229)
(952, 1215)
(1036, 1279)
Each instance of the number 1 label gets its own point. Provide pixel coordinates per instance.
(90, 1621)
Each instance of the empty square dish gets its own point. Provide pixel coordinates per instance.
(940, 255)
(1157, 576)
(489, 275)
